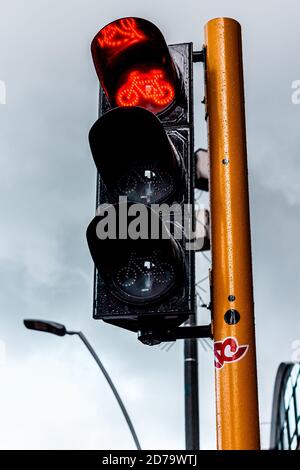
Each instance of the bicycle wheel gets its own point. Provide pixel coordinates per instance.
(127, 97)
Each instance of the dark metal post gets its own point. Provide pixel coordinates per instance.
(191, 394)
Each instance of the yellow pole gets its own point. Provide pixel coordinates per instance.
(232, 290)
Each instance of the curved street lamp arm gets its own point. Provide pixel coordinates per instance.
(110, 382)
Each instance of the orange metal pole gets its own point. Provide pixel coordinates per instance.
(232, 290)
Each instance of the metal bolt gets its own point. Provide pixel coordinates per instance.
(232, 317)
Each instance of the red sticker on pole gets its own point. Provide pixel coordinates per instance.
(228, 351)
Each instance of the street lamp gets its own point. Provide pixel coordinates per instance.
(60, 330)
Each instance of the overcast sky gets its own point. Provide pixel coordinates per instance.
(51, 393)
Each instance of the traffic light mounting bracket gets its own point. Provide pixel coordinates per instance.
(152, 337)
(199, 56)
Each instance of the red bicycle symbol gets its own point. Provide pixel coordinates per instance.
(149, 86)
(120, 34)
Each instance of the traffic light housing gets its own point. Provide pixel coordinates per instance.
(138, 272)
(134, 65)
(142, 163)
(143, 153)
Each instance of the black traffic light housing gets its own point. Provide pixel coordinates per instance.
(139, 272)
(136, 158)
(131, 146)
(128, 52)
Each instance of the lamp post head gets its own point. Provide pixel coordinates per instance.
(47, 326)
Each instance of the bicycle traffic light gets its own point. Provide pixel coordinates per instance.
(142, 145)
(146, 166)
(134, 65)
(139, 272)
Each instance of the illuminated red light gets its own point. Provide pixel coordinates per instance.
(134, 65)
(120, 34)
(146, 88)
